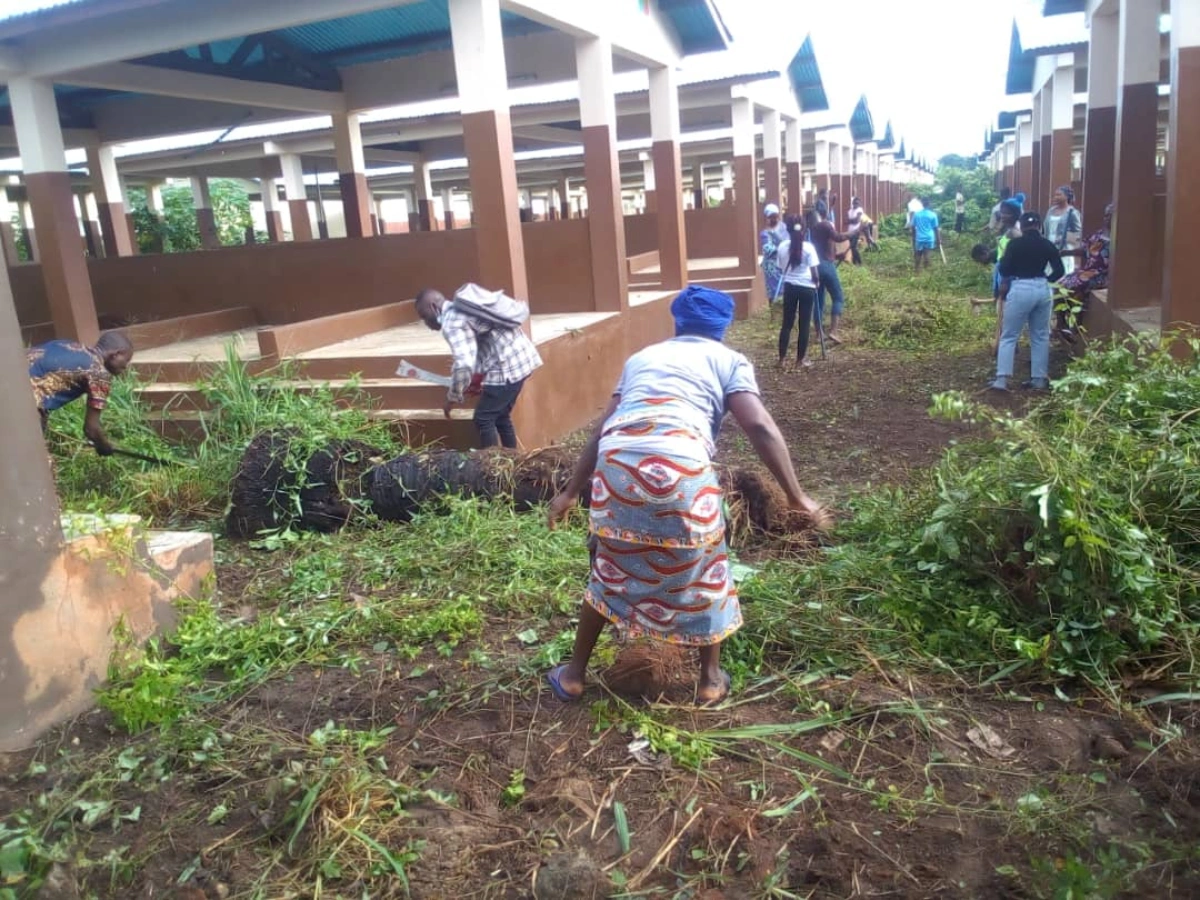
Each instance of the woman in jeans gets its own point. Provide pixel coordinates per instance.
(798, 261)
(1026, 301)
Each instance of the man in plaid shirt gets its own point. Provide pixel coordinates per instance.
(489, 358)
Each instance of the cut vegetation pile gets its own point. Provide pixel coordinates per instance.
(282, 484)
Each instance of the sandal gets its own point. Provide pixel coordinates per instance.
(554, 679)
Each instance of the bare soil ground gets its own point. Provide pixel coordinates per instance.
(867, 784)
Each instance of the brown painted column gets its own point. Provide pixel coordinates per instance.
(1035, 178)
(1181, 262)
(1099, 147)
(668, 178)
(1041, 202)
(795, 159)
(297, 196)
(487, 133)
(206, 220)
(745, 183)
(602, 173)
(772, 159)
(564, 197)
(110, 201)
(352, 177)
(1062, 122)
(48, 187)
(1133, 279)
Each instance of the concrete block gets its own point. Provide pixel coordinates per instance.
(112, 581)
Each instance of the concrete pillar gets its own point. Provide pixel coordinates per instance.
(448, 208)
(322, 219)
(352, 175)
(48, 186)
(423, 184)
(795, 159)
(30, 533)
(1062, 121)
(564, 196)
(1035, 178)
(745, 182)
(1132, 276)
(699, 195)
(297, 197)
(1099, 147)
(487, 133)
(649, 201)
(206, 220)
(847, 185)
(102, 169)
(823, 161)
(772, 159)
(270, 201)
(668, 177)
(1181, 263)
(1025, 147)
(1041, 201)
(92, 237)
(602, 172)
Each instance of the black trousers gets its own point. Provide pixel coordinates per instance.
(797, 301)
(958, 222)
(493, 414)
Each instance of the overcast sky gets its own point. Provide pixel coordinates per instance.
(934, 67)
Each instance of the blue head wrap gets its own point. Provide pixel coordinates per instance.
(1019, 199)
(702, 311)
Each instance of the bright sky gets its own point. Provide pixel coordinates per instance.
(936, 68)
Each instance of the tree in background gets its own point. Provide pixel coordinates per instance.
(176, 231)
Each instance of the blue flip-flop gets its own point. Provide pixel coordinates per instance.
(554, 679)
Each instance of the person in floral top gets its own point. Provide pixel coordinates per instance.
(1091, 274)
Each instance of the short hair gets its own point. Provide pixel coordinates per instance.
(427, 294)
(112, 342)
(979, 253)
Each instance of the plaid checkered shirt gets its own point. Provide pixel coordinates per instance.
(501, 355)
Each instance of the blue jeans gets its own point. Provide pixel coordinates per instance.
(1028, 304)
(830, 282)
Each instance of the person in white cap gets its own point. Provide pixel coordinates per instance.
(769, 240)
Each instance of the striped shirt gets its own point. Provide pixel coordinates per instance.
(501, 355)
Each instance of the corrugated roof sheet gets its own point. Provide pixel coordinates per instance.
(862, 127)
(805, 75)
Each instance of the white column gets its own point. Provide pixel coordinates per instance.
(294, 190)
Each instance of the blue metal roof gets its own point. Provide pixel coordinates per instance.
(888, 141)
(862, 128)
(1062, 7)
(1020, 66)
(805, 75)
(698, 24)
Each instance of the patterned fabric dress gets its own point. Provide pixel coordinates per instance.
(60, 371)
(769, 240)
(660, 564)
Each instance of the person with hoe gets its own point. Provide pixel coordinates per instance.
(493, 356)
(1026, 301)
(63, 371)
(823, 236)
(659, 563)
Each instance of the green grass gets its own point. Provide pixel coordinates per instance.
(197, 491)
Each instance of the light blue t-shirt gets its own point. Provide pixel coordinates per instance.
(684, 380)
(925, 226)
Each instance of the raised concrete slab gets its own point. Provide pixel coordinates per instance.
(208, 349)
(111, 587)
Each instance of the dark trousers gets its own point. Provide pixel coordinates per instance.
(959, 220)
(797, 301)
(855, 256)
(493, 414)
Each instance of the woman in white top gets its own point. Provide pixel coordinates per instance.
(798, 261)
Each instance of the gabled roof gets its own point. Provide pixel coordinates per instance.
(862, 128)
(888, 141)
(1020, 67)
(805, 76)
(1062, 7)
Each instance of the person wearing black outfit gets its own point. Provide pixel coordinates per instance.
(1026, 300)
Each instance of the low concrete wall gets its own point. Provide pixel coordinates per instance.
(291, 282)
(282, 283)
(641, 233)
(711, 232)
(558, 264)
(282, 341)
